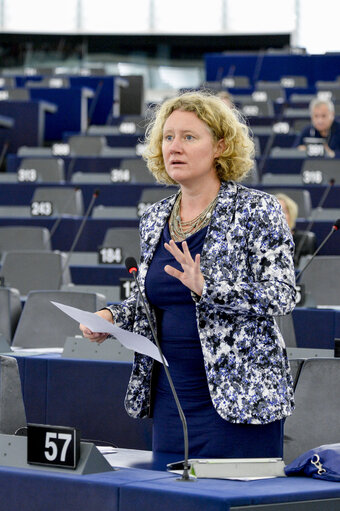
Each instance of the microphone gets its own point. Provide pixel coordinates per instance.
(131, 266)
(60, 217)
(335, 227)
(78, 234)
(313, 218)
(94, 103)
(70, 168)
(4, 152)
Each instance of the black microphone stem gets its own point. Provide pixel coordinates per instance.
(94, 103)
(315, 253)
(76, 239)
(311, 223)
(3, 152)
(59, 219)
(185, 474)
(70, 167)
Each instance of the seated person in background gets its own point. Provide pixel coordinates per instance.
(323, 126)
(305, 242)
(226, 97)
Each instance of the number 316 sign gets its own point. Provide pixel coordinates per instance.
(56, 446)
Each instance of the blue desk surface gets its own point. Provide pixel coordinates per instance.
(131, 489)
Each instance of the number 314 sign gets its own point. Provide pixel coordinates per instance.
(56, 446)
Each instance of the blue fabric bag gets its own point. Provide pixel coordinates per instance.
(321, 463)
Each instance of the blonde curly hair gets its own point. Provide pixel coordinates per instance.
(223, 123)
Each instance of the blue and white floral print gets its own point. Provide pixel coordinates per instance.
(247, 262)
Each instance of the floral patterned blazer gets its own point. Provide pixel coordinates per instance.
(247, 263)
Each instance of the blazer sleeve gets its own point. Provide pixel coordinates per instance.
(124, 313)
(267, 284)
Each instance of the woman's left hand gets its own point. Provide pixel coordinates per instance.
(191, 276)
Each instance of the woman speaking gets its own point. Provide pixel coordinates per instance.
(216, 267)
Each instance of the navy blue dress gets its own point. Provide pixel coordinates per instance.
(210, 436)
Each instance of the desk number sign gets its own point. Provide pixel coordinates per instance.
(56, 446)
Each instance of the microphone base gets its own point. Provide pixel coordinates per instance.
(186, 479)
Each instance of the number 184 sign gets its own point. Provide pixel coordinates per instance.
(56, 446)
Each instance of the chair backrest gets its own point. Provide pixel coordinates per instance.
(236, 81)
(53, 82)
(257, 109)
(318, 171)
(151, 195)
(131, 98)
(123, 242)
(272, 93)
(137, 170)
(91, 178)
(125, 212)
(301, 197)
(322, 280)
(82, 145)
(29, 270)
(43, 325)
(301, 98)
(287, 152)
(253, 177)
(45, 169)
(330, 214)
(7, 82)
(24, 237)
(10, 310)
(293, 81)
(111, 293)
(316, 419)
(298, 113)
(295, 367)
(286, 326)
(65, 201)
(19, 94)
(274, 84)
(31, 152)
(12, 410)
(281, 179)
(308, 240)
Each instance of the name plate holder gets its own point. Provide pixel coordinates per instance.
(110, 350)
(13, 453)
(238, 468)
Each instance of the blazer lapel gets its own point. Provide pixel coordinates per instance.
(221, 221)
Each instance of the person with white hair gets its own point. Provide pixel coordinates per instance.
(323, 125)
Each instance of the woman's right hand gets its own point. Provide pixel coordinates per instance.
(98, 337)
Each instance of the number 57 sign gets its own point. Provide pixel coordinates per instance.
(53, 445)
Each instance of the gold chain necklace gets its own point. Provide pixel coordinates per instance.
(180, 230)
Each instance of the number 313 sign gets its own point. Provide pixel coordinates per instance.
(56, 446)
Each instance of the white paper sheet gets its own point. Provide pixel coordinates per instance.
(95, 323)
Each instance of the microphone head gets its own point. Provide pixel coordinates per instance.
(131, 264)
(332, 181)
(336, 225)
(96, 192)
